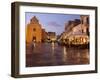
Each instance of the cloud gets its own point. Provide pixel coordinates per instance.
(54, 24)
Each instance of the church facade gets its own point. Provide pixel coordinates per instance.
(33, 31)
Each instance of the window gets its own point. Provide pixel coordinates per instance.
(87, 20)
(34, 29)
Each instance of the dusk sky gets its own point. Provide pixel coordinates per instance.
(51, 22)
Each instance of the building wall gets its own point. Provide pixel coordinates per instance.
(77, 26)
(83, 27)
(44, 35)
(52, 36)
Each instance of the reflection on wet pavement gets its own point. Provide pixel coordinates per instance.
(52, 54)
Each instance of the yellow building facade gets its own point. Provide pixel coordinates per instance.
(33, 31)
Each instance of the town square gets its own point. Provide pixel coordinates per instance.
(56, 39)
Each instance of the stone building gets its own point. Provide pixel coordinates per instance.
(83, 27)
(33, 31)
(52, 36)
(70, 24)
(77, 29)
(85, 24)
(44, 35)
